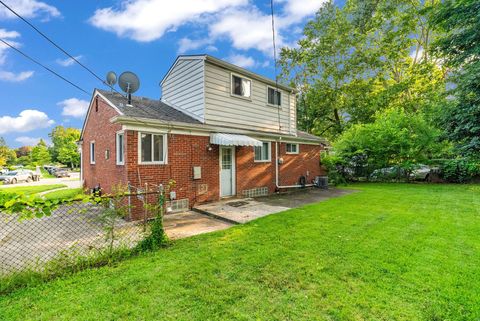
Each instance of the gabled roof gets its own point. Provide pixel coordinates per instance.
(142, 107)
(229, 66)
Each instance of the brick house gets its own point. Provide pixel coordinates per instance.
(218, 131)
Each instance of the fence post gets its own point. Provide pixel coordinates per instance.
(129, 201)
(145, 201)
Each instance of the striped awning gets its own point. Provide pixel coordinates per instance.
(233, 140)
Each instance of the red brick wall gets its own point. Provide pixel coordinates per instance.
(306, 163)
(99, 129)
(184, 152)
(252, 174)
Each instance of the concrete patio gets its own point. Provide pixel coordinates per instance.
(242, 210)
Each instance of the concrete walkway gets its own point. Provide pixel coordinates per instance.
(190, 223)
(242, 210)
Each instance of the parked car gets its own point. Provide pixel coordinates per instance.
(61, 173)
(421, 172)
(13, 177)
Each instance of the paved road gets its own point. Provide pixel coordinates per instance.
(72, 182)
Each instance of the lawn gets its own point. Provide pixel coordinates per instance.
(388, 252)
(64, 193)
(27, 190)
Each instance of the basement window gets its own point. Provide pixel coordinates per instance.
(262, 153)
(241, 87)
(292, 148)
(152, 148)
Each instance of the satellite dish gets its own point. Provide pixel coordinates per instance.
(129, 83)
(111, 78)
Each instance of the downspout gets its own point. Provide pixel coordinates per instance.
(277, 174)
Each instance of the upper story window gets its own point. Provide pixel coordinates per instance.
(274, 97)
(262, 153)
(241, 86)
(92, 152)
(152, 148)
(292, 148)
(120, 148)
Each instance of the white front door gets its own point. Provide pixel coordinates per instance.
(227, 171)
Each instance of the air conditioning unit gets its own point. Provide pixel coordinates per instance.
(321, 182)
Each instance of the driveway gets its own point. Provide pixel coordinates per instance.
(239, 211)
(72, 182)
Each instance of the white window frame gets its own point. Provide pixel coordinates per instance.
(269, 154)
(281, 97)
(165, 149)
(231, 86)
(292, 153)
(92, 153)
(117, 148)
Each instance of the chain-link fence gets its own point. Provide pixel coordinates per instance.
(72, 231)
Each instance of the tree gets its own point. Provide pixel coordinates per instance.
(365, 57)
(40, 154)
(7, 155)
(65, 149)
(459, 48)
(395, 138)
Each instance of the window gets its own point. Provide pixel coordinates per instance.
(152, 148)
(92, 152)
(241, 86)
(274, 97)
(292, 148)
(120, 148)
(262, 153)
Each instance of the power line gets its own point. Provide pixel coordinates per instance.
(54, 43)
(47, 68)
(66, 53)
(275, 65)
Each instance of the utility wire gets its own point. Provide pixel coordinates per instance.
(53, 43)
(66, 53)
(275, 67)
(47, 68)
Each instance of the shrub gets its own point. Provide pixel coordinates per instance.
(460, 170)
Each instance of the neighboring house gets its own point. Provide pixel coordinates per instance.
(219, 131)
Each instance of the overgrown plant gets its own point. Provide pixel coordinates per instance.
(115, 207)
(157, 237)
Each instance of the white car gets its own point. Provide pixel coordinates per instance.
(13, 177)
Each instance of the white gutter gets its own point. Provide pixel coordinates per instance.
(277, 174)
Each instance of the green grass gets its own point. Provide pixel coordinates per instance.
(27, 190)
(388, 252)
(64, 193)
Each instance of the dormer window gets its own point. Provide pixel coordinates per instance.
(274, 97)
(241, 86)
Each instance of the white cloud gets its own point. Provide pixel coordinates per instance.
(147, 20)
(68, 61)
(240, 22)
(186, 44)
(15, 77)
(8, 36)
(74, 107)
(28, 9)
(27, 120)
(242, 61)
(28, 141)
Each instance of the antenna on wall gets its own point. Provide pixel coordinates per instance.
(129, 83)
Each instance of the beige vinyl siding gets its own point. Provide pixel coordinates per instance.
(184, 87)
(223, 109)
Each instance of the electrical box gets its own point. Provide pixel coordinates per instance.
(197, 172)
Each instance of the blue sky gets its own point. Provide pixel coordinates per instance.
(143, 36)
